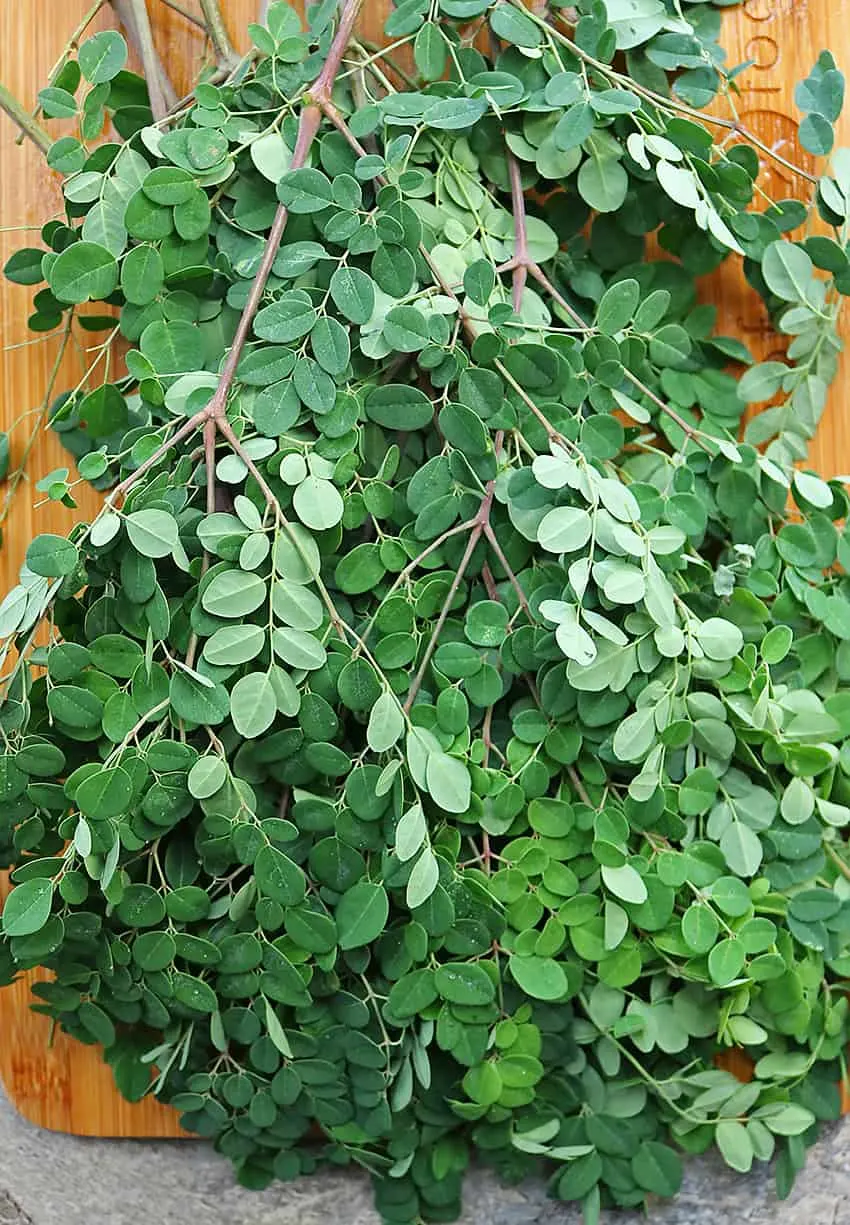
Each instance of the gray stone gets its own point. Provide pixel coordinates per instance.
(50, 1179)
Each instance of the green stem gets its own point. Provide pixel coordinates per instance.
(220, 39)
(190, 17)
(28, 124)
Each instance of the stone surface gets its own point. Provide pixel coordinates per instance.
(51, 1179)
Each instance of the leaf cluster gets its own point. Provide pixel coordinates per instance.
(441, 736)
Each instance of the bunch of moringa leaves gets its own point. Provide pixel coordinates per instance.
(438, 744)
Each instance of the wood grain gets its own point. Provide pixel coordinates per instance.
(60, 1084)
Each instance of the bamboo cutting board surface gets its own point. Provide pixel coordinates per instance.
(57, 1083)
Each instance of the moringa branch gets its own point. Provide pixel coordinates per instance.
(133, 15)
(28, 124)
(225, 51)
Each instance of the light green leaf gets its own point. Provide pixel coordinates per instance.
(253, 705)
(153, 533)
(386, 723)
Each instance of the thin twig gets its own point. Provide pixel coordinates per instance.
(474, 537)
(187, 428)
(493, 542)
(190, 17)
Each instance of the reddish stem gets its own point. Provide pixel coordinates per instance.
(493, 542)
(308, 126)
(184, 431)
(209, 456)
(474, 537)
(520, 263)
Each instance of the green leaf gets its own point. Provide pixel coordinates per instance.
(330, 344)
(386, 723)
(462, 982)
(410, 833)
(234, 644)
(726, 961)
(24, 266)
(207, 776)
(52, 556)
(617, 306)
(448, 782)
(289, 318)
(142, 274)
(625, 883)
(104, 794)
(361, 914)
(233, 594)
(788, 271)
(276, 1031)
(318, 504)
(406, 329)
(736, 1147)
(720, 639)
(700, 927)
(194, 993)
(353, 293)
(398, 407)
(657, 1168)
(153, 533)
(574, 126)
(298, 648)
(430, 50)
(27, 908)
(271, 155)
(305, 191)
(566, 529)
(540, 977)
(742, 849)
(423, 879)
(57, 103)
(603, 183)
(102, 56)
(278, 877)
(253, 704)
(514, 26)
(83, 271)
(816, 135)
(196, 702)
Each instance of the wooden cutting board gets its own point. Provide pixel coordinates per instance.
(55, 1082)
